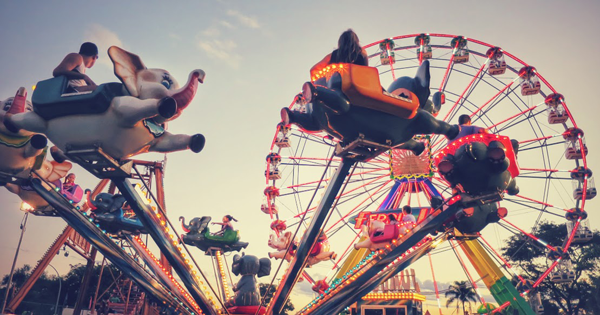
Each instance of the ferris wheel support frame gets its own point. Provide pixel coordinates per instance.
(98, 239)
(166, 246)
(284, 289)
(493, 278)
(384, 268)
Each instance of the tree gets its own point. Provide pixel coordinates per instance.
(531, 258)
(461, 292)
(267, 296)
(44, 291)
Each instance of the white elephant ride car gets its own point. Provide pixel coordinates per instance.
(102, 128)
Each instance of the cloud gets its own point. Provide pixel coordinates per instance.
(247, 21)
(212, 31)
(226, 24)
(223, 50)
(103, 38)
(175, 36)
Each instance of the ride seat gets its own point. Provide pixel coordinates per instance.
(362, 87)
(247, 310)
(316, 249)
(50, 101)
(390, 232)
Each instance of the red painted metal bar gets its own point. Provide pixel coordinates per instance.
(546, 273)
(360, 204)
(445, 77)
(537, 201)
(514, 116)
(540, 169)
(346, 193)
(344, 254)
(462, 262)
(531, 236)
(468, 87)
(493, 98)
(503, 306)
(437, 292)
(501, 258)
(421, 53)
(538, 139)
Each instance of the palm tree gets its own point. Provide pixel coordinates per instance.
(461, 292)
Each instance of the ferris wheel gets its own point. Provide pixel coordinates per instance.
(497, 91)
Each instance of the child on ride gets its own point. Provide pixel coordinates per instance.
(226, 225)
(408, 217)
(466, 128)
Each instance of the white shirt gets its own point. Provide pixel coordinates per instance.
(74, 83)
(408, 218)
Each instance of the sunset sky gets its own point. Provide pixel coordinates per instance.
(256, 55)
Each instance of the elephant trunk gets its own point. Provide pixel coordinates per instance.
(36, 146)
(185, 95)
(88, 200)
(18, 104)
(185, 227)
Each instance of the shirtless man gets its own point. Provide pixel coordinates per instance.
(74, 65)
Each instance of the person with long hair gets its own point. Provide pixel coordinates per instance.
(349, 50)
(226, 225)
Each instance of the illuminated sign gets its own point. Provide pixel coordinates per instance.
(419, 212)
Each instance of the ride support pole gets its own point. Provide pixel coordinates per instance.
(168, 247)
(309, 239)
(12, 269)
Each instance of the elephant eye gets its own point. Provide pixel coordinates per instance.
(166, 81)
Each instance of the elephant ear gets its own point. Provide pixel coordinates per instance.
(59, 170)
(127, 65)
(236, 265)
(422, 83)
(265, 267)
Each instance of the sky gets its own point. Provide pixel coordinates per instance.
(256, 55)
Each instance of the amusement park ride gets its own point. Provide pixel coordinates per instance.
(346, 150)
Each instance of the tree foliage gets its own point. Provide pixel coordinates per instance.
(268, 295)
(46, 289)
(569, 298)
(460, 292)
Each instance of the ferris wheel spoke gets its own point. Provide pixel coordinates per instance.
(529, 116)
(542, 145)
(543, 210)
(494, 98)
(533, 237)
(464, 267)
(345, 194)
(499, 259)
(527, 111)
(539, 202)
(370, 196)
(477, 76)
(327, 179)
(448, 70)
